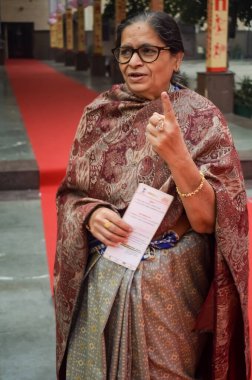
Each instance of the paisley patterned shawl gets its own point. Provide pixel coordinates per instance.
(109, 157)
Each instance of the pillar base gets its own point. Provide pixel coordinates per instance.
(219, 88)
(53, 53)
(81, 61)
(59, 55)
(70, 58)
(98, 67)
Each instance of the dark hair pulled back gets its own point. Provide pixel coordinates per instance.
(162, 23)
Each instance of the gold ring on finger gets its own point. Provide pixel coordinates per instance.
(107, 224)
(160, 125)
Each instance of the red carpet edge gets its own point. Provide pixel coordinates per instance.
(51, 106)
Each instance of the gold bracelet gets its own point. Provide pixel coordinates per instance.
(187, 195)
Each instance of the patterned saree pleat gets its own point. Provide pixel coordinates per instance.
(140, 360)
(117, 332)
(86, 351)
(174, 288)
(139, 325)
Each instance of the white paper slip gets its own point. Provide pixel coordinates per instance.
(144, 214)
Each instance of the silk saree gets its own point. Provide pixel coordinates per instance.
(109, 158)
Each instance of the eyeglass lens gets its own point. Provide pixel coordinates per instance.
(146, 53)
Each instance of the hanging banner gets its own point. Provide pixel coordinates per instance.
(81, 29)
(97, 42)
(120, 11)
(53, 35)
(60, 38)
(157, 5)
(69, 29)
(217, 35)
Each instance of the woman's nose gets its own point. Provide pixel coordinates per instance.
(135, 59)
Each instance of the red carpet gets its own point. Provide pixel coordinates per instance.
(51, 106)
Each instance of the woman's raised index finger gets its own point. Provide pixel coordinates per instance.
(167, 106)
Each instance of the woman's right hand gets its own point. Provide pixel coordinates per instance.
(108, 227)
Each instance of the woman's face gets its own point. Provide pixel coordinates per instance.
(147, 80)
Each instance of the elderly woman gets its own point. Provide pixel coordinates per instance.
(182, 314)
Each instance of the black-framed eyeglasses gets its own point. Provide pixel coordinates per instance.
(147, 53)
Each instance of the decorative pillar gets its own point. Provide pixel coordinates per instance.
(217, 35)
(120, 14)
(120, 11)
(217, 83)
(69, 53)
(60, 53)
(97, 39)
(157, 5)
(98, 59)
(60, 38)
(82, 62)
(53, 35)
(52, 21)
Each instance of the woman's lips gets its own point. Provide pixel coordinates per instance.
(136, 77)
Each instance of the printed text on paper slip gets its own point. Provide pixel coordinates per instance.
(144, 214)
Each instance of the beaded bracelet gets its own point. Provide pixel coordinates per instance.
(187, 195)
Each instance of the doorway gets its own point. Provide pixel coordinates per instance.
(19, 37)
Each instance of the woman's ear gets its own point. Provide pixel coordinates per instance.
(179, 58)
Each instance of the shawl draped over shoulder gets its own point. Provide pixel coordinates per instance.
(109, 158)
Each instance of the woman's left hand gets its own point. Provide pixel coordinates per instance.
(164, 134)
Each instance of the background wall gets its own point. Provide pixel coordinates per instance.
(15, 13)
(36, 11)
(25, 28)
